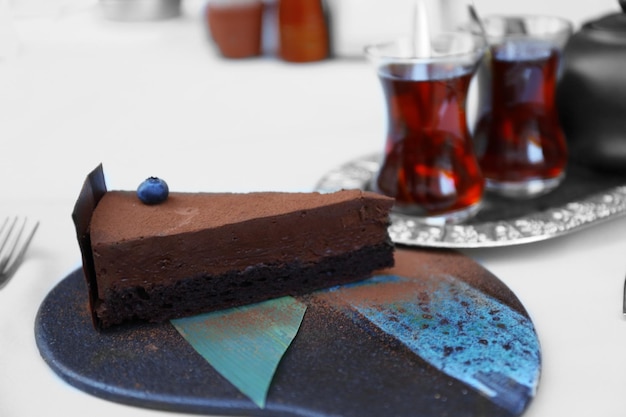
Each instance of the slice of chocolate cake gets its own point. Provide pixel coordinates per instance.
(197, 252)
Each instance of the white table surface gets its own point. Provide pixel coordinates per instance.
(155, 99)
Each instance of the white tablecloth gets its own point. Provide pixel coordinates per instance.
(155, 99)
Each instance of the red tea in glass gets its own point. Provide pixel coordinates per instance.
(520, 145)
(429, 164)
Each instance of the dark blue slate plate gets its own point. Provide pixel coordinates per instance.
(437, 335)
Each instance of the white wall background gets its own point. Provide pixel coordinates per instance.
(360, 22)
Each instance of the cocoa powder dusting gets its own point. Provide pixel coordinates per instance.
(421, 270)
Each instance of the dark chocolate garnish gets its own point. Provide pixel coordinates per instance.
(93, 189)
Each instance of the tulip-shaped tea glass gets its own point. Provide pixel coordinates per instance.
(520, 145)
(429, 165)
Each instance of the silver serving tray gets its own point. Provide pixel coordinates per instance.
(584, 199)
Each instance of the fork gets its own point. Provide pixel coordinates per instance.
(13, 247)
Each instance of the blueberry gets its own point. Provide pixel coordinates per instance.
(153, 191)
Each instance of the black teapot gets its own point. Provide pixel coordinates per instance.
(591, 93)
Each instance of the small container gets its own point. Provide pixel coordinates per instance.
(303, 30)
(520, 144)
(140, 10)
(236, 26)
(429, 165)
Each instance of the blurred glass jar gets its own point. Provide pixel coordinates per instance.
(236, 26)
(303, 30)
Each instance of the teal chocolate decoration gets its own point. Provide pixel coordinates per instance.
(245, 344)
(435, 335)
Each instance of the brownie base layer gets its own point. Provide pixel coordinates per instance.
(206, 293)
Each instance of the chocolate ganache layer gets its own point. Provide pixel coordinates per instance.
(224, 232)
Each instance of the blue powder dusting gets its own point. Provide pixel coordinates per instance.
(466, 334)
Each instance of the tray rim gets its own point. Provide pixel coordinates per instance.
(554, 222)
